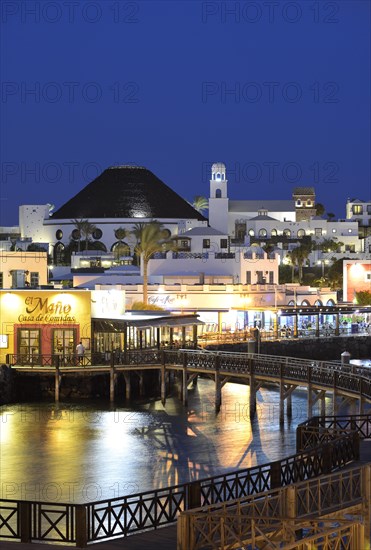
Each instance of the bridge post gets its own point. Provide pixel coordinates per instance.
(337, 324)
(275, 475)
(291, 512)
(163, 384)
(112, 384)
(282, 395)
(81, 526)
(218, 385)
(252, 402)
(309, 392)
(24, 511)
(184, 381)
(289, 397)
(57, 383)
(141, 383)
(361, 399)
(193, 495)
(183, 532)
(289, 405)
(323, 404)
(366, 503)
(335, 395)
(127, 385)
(317, 325)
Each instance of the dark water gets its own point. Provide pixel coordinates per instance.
(79, 452)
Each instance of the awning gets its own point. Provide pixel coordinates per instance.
(119, 325)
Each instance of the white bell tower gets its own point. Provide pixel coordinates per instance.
(218, 201)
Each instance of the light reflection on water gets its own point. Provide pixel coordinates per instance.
(87, 451)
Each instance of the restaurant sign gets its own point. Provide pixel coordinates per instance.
(44, 310)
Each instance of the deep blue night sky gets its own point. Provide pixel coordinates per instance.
(279, 91)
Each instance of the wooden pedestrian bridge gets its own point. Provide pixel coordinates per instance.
(288, 373)
(318, 498)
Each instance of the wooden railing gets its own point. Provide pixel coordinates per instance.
(107, 519)
(280, 515)
(322, 429)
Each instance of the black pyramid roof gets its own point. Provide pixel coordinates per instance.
(127, 192)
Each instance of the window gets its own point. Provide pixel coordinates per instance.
(64, 341)
(223, 243)
(28, 344)
(298, 202)
(97, 234)
(368, 277)
(59, 253)
(262, 232)
(318, 232)
(34, 279)
(206, 243)
(271, 277)
(59, 234)
(301, 233)
(260, 279)
(369, 209)
(309, 203)
(274, 233)
(1, 279)
(75, 234)
(248, 277)
(251, 232)
(184, 244)
(286, 233)
(357, 209)
(240, 231)
(218, 194)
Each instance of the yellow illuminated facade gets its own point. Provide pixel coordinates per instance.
(43, 322)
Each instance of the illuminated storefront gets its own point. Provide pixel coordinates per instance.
(44, 322)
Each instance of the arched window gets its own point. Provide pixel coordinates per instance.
(120, 248)
(75, 234)
(218, 176)
(58, 253)
(318, 303)
(262, 232)
(96, 245)
(218, 194)
(301, 233)
(59, 234)
(286, 233)
(305, 303)
(223, 176)
(291, 303)
(330, 302)
(298, 202)
(97, 234)
(274, 233)
(251, 232)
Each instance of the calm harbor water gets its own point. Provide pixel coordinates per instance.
(85, 451)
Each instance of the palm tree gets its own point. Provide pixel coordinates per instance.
(298, 256)
(151, 237)
(85, 229)
(200, 203)
(121, 248)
